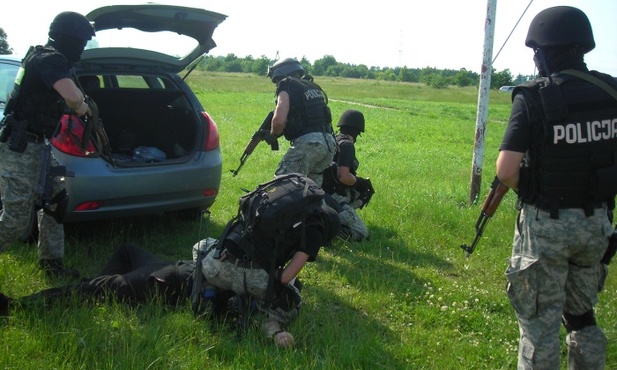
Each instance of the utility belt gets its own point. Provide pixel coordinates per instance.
(307, 130)
(553, 207)
(34, 138)
(226, 256)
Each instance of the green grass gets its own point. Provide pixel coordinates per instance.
(406, 299)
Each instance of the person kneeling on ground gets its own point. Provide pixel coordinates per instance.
(244, 263)
(347, 191)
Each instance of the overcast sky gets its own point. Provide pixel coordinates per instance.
(386, 33)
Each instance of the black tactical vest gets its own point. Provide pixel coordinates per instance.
(573, 160)
(342, 141)
(308, 109)
(41, 107)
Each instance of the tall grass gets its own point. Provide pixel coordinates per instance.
(406, 299)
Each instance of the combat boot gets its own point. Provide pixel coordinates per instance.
(5, 302)
(55, 268)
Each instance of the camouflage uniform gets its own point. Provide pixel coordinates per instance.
(555, 268)
(350, 220)
(225, 275)
(19, 177)
(309, 154)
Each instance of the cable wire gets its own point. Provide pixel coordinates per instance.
(511, 32)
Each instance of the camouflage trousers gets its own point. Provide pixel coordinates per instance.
(309, 155)
(555, 267)
(19, 177)
(350, 218)
(254, 281)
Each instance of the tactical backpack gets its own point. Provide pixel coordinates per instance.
(266, 217)
(278, 205)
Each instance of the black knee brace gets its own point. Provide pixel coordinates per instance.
(578, 322)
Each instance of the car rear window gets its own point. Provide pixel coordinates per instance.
(106, 81)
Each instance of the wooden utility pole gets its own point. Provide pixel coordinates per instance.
(483, 95)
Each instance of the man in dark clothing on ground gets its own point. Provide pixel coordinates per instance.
(131, 275)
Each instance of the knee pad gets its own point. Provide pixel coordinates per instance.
(578, 322)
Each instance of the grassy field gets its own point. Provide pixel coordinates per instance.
(406, 299)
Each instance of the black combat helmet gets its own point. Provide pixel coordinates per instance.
(352, 122)
(68, 33)
(71, 24)
(283, 68)
(560, 26)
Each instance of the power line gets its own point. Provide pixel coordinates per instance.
(511, 32)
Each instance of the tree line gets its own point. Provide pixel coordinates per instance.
(329, 66)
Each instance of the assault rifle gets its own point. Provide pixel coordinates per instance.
(197, 292)
(44, 189)
(262, 134)
(492, 201)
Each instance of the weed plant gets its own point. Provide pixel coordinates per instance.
(407, 299)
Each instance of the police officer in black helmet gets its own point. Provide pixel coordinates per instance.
(302, 115)
(342, 181)
(559, 153)
(44, 90)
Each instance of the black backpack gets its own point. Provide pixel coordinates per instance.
(265, 217)
(278, 205)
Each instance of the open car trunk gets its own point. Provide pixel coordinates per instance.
(146, 126)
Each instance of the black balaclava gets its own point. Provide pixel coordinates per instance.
(559, 58)
(70, 47)
(353, 132)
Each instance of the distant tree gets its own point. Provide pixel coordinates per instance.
(233, 66)
(503, 78)
(464, 78)
(409, 75)
(521, 79)
(4, 44)
(321, 65)
(386, 74)
(211, 63)
(260, 66)
(439, 81)
(306, 64)
(353, 71)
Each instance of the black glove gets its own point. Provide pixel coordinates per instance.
(362, 185)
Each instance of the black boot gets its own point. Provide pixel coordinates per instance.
(55, 268)
(5, 302)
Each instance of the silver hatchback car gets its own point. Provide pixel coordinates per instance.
(9, 65)
(159, 149)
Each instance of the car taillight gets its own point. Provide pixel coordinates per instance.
(88, 206)
(68, 138)
(212, 133)
(209, 192)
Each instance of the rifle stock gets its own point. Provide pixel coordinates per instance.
(490, 205)
(196, 292)
(257, 137)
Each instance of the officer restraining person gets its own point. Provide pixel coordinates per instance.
(559, 153)
(245, 267)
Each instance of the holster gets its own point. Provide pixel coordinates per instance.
(14, 132)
